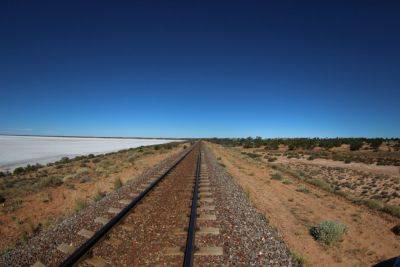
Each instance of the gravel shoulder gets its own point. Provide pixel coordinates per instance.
(247, 237)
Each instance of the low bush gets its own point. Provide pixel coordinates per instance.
(2, 199)
(303, 189)
(373, 204)
(80, 204)
(19, 170)
(48, 181)
(321, 184)
(392, 209)
(82, 171)
(132, 158)
(276, 176)
(29, 168)
(68, 178)
(117, 183)
(63, 160)
(251, 155)
(355, 145)
(329, 232)
(95, 160)
(85, 179)
(298, 259)
(287, 181)
(99, 195)
(396, 229)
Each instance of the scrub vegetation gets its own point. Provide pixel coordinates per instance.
(330, 212)
(328, 232)
(329, 164)
(381, 151)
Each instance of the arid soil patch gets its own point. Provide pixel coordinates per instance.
(293, 206)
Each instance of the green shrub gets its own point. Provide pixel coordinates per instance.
(251, 155)
(24, 237)
(96, 160)
(355, 145)
(298, 259)
(80, 204)
(373, 204)
(396, 229)
(85, 179)
(19, 170)
(132, 158)
(393, 210)
(272, 146)
(320, 183)
(117, 183)
(303, 189)
(287, 181)
(99, 195)
(328, 232)
(276, 176)
(247, 193)
(63, 160)
(49, 181)
(68, 178)
(105, 163)
(82, 171)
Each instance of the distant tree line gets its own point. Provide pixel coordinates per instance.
(303, 143)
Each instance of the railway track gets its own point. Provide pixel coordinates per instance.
(156, 224)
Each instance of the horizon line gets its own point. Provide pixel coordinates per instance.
(187, 138)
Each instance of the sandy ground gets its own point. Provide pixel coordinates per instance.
(51, 204)
(368, 240)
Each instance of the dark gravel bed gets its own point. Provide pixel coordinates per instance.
(245, 235)
(152, 223)
(43, 246)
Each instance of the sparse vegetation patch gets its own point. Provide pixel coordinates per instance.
(328, 232)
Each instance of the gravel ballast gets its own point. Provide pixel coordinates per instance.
(244, 234)
(247, 238)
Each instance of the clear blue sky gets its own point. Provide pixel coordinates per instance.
(200, 68)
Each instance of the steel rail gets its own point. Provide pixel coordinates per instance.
(82, 250)
(190, 242)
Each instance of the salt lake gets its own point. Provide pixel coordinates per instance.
(16, 151)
